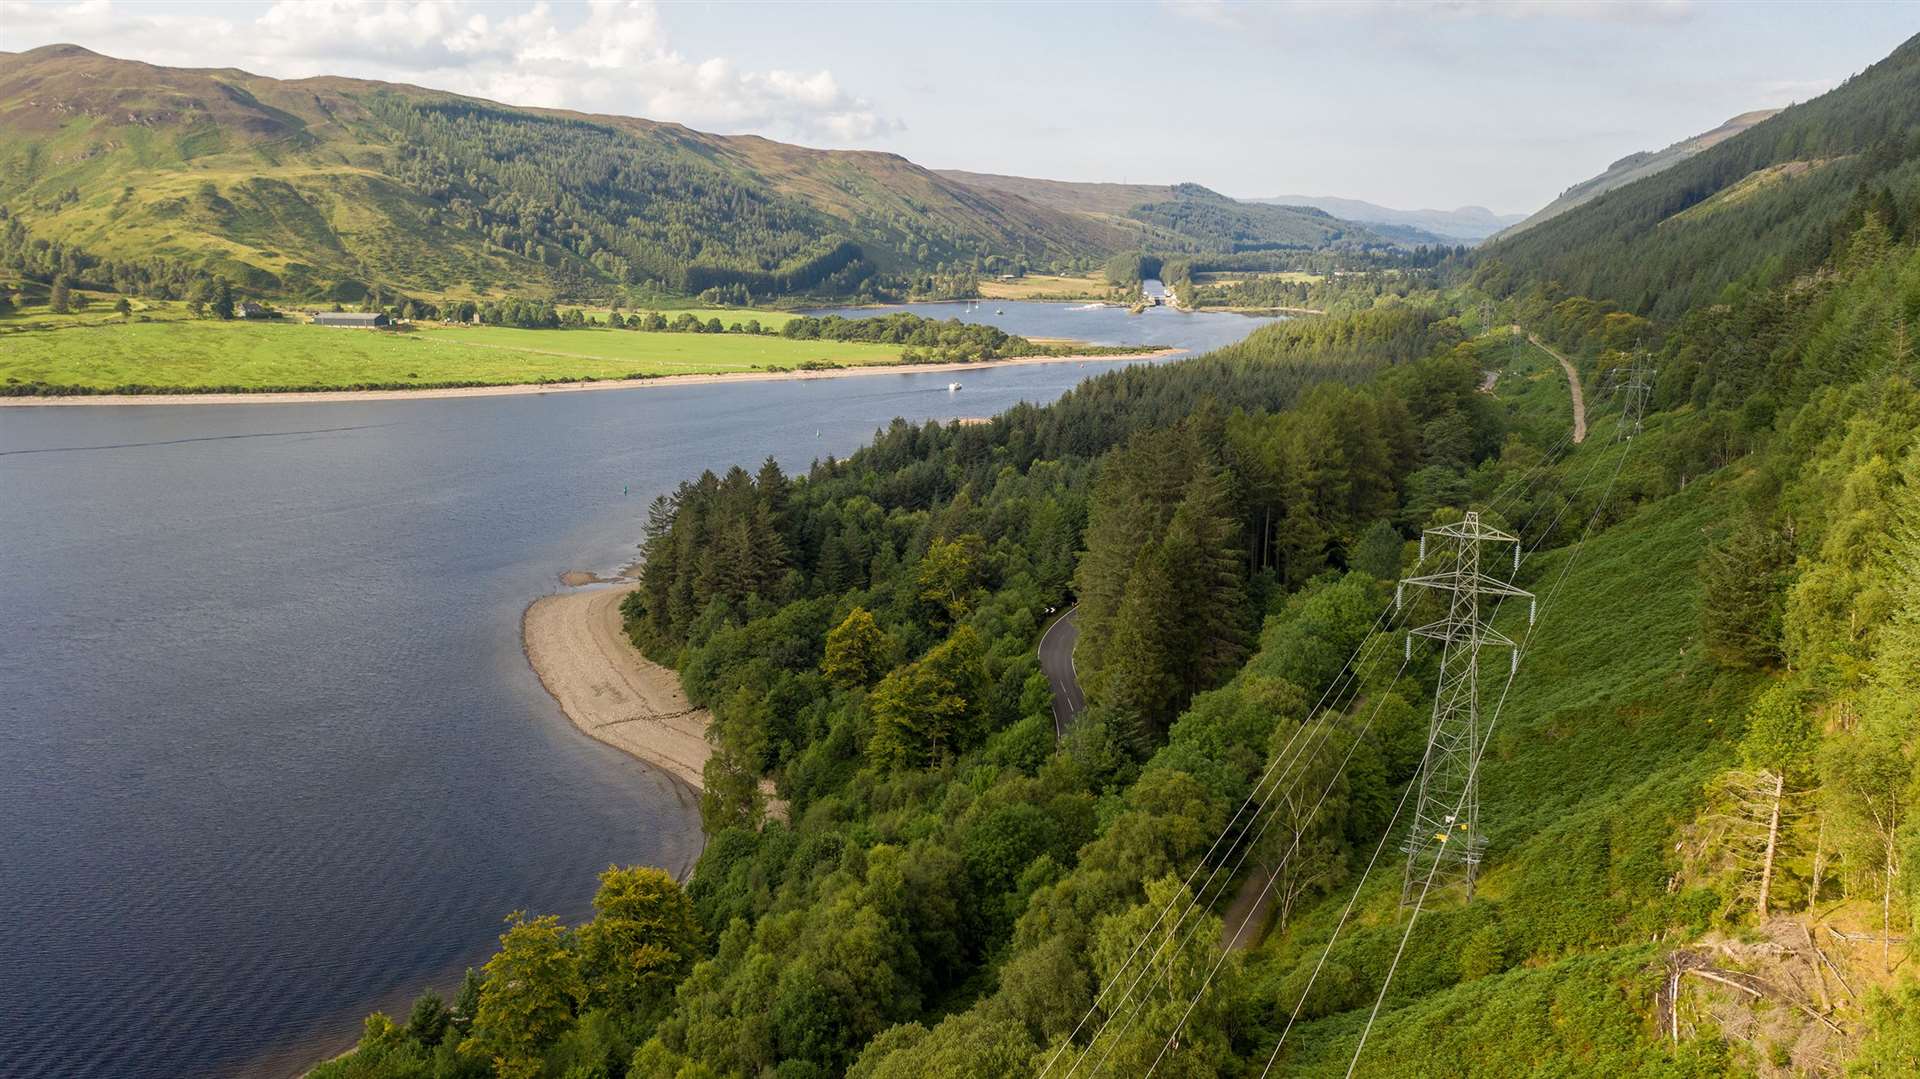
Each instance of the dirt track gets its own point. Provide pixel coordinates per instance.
(1573, 384)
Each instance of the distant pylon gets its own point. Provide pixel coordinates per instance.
(1444, 847)
(1639, 390)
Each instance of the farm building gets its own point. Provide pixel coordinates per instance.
(354, 319)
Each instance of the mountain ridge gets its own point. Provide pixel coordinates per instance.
(1640, 165)
(337, 188)
(75, 122)
(1470, 224)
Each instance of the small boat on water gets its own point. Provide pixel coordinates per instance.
(1000, 311)
(953, 387)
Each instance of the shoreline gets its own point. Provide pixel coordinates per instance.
(578, 648)
(517, 389)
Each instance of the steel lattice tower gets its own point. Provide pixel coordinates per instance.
(1639, 391)
(1444, 847)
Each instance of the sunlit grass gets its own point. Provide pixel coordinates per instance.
(102, 352)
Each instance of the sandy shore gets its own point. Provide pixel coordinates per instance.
(576, 645)
(518, 389)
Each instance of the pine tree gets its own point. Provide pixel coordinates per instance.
(1742, 598)
(1139, 679)
(1897, 660)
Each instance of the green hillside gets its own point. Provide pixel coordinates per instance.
(335, 190)
(949, 892)
(1638, 166)
(327, 188)
(1191, 219)
(1701, 854)
(1787, 191)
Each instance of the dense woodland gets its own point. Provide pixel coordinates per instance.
(1711, 754)
(1198, 220)
(635, 211)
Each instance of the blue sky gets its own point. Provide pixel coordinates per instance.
(1409, 104)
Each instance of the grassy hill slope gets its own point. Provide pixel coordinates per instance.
(1855, 148)
(1639, 166)
(328, 186)
(1188, 218)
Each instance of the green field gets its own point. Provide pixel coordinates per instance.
(261, 355)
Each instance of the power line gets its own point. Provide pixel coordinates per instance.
(1287, 757)
(1284, 762)
(1226, 830)
(1392, 823)
(1299, 833)
(1502, 594)
(1386, 833)
(1632, 417)
(1445, 838)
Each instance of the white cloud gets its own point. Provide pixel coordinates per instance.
(614, 56)
(1240, 13)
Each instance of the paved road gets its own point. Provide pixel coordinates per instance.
(1056, 659)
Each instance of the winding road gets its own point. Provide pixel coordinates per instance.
(1246, 916)
(1056, 659)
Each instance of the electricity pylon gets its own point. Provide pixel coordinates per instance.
(1444, 847)
(1634, 384)
(1639, 391)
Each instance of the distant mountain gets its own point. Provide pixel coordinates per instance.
(329, 187)
(1186, 217)
(1468, 224)
(1760, 205)
(1641, 165)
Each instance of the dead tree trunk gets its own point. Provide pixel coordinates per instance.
(1886, 908)
(1819, 864)
(1773, 841)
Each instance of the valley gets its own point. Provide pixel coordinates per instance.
(707, 607)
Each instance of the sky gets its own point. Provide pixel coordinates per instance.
(1424, 103)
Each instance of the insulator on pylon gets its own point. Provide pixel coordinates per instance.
(1533, 609)
(1399, 595)
(1516, 558)
(1515, 669)
(1409, 645)
(1423, 546)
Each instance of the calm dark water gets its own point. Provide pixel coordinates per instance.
(270, 753)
